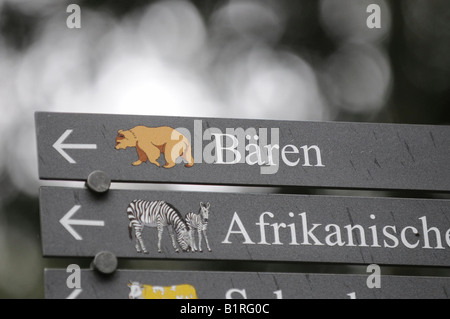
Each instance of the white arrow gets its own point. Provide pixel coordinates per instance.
(75, 293)
(60, 147)
(68, 223)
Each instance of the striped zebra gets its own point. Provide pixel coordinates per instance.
(157, 214)
(198, 221)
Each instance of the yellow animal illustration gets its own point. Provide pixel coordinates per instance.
(150, 142)
(140, 291)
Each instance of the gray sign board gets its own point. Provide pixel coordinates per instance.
(265, 227)
(245, 152)
(145, 284)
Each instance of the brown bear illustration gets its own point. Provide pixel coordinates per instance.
(150, 142)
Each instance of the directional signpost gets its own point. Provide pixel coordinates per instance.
(241, 285)
(105, 224)
(244, 152)
(275, 227)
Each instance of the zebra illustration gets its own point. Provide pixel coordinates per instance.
(157, 214)
(198, 221)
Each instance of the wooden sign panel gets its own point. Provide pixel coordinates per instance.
(243, 152)
(265, 227)
(140, 284)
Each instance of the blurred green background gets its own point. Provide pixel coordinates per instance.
(272, 59)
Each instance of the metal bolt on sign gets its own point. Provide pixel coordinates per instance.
(105, 262)
(98, 182)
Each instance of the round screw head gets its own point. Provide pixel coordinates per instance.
(98, 182)
(105, 262)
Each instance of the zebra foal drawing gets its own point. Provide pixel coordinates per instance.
(157, 214)
(198, 221)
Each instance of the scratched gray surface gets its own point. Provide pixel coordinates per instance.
(215, 285)
(355, 155)
(373, 214)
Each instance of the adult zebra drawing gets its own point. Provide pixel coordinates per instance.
(198, 221)
(157, 214)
